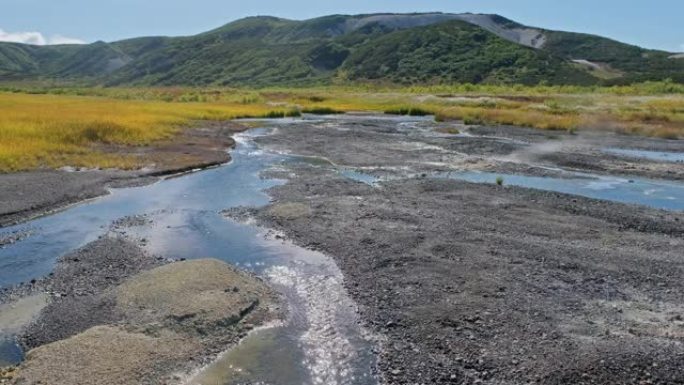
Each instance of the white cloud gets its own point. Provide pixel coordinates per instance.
(23, 37)
(36, 38)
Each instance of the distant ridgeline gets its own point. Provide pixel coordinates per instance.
(388, 48)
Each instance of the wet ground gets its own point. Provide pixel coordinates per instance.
(439, 279)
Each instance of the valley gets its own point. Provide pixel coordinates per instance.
(369, 199)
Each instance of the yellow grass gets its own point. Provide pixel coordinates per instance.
(53, 131)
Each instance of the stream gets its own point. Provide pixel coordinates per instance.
(321, 341)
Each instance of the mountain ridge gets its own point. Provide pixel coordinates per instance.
(267, 50)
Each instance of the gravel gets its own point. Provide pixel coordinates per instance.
(474, 283)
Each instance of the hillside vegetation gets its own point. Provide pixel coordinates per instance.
(382, 48)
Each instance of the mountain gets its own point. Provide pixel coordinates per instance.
(397, 48)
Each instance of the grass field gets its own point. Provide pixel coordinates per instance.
(56, 130)
(54, 127)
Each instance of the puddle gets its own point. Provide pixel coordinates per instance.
(321, 341)
(359, 176)
(13, 317)
(10, 353)
(661, 156)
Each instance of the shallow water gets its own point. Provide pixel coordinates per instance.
(10, 353)
(318, 344)
(653, 193)
(662, 156)
(13, 317)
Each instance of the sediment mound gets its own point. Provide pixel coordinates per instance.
(158, 324)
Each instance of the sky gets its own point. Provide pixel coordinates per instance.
(651, 24)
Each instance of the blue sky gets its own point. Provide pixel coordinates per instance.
(652, 24)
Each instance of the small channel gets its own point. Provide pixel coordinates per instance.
(653, 193)
(662, 156)
(321, 341)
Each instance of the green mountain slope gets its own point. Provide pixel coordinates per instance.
(402, 48)
(455, 51)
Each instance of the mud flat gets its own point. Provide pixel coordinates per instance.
(28, 194)
(479, 283)
(117, 315)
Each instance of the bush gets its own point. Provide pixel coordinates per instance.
(282, 114)
(321, 111)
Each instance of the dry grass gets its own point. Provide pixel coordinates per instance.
(52, 131)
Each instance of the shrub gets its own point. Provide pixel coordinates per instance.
(321, 111)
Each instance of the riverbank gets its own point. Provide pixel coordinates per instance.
(116, 314)
(26, 195)
(479, 283)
